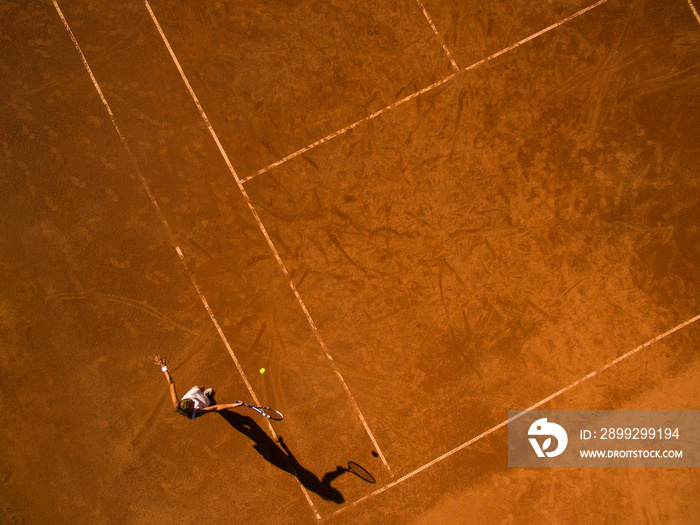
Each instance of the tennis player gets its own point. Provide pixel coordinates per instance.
(196, 402)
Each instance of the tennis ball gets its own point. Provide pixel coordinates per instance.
(262, 370)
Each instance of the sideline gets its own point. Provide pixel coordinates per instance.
(263, 230)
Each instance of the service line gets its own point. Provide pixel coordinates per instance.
(281, 264)
(438, 35)
(171, 237)
(424, 90)
(535, 35)
(351, 126)
(518, 415)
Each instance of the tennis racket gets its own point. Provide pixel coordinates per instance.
(267, 412)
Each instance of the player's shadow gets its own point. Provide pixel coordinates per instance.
(281, 457)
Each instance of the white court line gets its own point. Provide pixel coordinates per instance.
(351, 126)
(440, 39)
(173, 242)
(268, 239)
(695, 11)
(424, 90)
(518, 415)
(539, 33)
(155, 204)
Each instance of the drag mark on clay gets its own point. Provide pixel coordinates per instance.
(336, 243)
(458, 343)
(139, 305)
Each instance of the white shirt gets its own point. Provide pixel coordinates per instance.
(198, 398)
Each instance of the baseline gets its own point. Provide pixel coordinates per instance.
(424, 90)
(518, 415)
(263, 230)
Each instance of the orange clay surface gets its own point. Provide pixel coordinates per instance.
(469, 251)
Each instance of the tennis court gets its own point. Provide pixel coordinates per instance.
(415, 215)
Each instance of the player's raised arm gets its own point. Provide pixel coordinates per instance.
(173, 394)
(218, 408)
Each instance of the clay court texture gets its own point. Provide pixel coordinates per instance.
(416, 215)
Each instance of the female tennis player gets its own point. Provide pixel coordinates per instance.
(194, 403)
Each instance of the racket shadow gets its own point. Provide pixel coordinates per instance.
(353, 468)
(279, 455)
